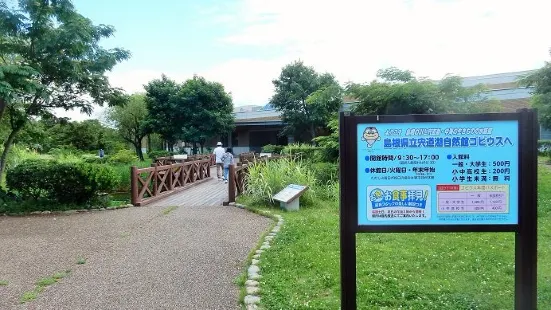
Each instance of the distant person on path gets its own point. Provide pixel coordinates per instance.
(218, 153)
(101, 153)
(227, 160)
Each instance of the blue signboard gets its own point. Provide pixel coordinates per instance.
(438, 173)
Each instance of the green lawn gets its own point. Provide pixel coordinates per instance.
(399, 271)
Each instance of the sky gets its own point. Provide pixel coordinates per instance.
(243, 44)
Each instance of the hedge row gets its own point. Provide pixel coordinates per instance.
(61, 183)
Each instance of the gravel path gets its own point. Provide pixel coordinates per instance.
(136, 258)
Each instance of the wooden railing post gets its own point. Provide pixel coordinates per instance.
(155, 177)
(170, 178)
(134, 185)
(231, 184)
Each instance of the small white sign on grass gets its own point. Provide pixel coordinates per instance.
(289, 197)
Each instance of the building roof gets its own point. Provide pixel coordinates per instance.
(495, 79)
(259, 119)
(512, 105)
(502, 86)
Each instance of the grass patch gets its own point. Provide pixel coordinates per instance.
(46, 281)
(28, 296)
(4, 283)
(61, 275)
(399, 271)
(41, 285)
(125, 234)
(167, 210)
(81, 261)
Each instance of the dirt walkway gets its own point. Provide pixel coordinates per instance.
(136, 258)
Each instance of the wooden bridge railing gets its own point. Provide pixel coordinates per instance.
(237, 181)
(155, 182)
(162, 161)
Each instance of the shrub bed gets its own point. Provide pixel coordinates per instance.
(267, 178)
(124, 157)
(58, 183)
(276, 149)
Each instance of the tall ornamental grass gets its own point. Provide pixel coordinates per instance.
(266, 179)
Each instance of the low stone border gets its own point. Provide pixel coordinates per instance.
(252, 286)
(69, 212)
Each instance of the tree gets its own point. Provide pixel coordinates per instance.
(159, 101)
(131, 121)
(208, 109)
(399, 92)
(193, 111)
(305, 98)
(51, 58)
(540, 80)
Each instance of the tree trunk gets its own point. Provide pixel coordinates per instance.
(312, 131)
(202, 146)
(7, 146)
(194, 148)
(138, 147)
(3, 105)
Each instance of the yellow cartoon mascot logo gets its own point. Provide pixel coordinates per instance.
(371, 135)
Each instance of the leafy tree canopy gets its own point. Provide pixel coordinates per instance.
(160, 105)
(305, 98)
(131, 121)
(208, 109)
(193, 111)
(398, 92)
(50, 57)
(540, 80)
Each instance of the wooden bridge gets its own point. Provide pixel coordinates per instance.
(187, 182)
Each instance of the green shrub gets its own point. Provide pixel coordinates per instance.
(123, 173)
(101, 178)
(7, 202)
(544, 147)
(325, 172)
(94, 159)
(266, 179)
(272, 148)
(304, 151)
(122, 157)
(19, 154)
(156, 154)
(329, 191)
(58, 182)
(30, 178)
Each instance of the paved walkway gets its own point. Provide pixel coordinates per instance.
(136, 258)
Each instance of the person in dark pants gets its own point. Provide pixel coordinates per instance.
(227, 160)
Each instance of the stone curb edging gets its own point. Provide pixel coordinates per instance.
(252, 286)
(68, 212)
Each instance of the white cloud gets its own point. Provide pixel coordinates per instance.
(355, 38)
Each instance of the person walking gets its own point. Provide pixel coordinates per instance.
(218, 153)
(227, 160)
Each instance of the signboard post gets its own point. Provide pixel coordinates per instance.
(440, 173)
(289, 197)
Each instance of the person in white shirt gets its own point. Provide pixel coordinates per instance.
(219, 151)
